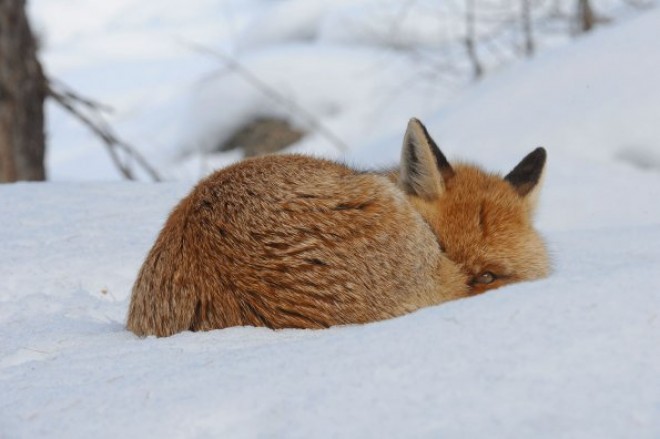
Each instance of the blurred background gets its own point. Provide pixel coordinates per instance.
(162, 90)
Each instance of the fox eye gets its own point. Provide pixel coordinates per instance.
(484, 278)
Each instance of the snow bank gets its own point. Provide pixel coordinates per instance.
(597, 99)
(360, 68)
(575, 355)
(344, 89)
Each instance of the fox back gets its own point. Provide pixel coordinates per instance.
(297, 242)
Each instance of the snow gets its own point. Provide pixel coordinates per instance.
(599, 99)
(359, 68)
(573, 355)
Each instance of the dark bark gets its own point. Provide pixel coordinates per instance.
(526, 18)
(22, 93)
(471, 39)
(586, 16)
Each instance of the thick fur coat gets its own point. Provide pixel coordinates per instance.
(298, 242)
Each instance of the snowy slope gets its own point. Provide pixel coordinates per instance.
(361, 68)
(596, 99)
(170, 100)
(576, 355)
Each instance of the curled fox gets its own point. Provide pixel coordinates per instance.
(297, 242)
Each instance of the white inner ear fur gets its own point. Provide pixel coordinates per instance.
(532, 198)
(419, 174)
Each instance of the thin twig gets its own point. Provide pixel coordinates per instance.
(470, 39)
(270, 92)
(68, 100)
(640, 4)
(68, 92)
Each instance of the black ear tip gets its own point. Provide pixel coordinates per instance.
(539, 154)
(535, 159)
(528, 172)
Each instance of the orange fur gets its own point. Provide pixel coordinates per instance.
(297, 242)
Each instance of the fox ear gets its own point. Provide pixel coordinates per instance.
(424, 169)
(526, 176)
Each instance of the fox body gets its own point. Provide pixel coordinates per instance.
(297, 242)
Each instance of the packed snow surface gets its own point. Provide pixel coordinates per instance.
(573, 355)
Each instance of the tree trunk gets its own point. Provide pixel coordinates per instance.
(526, 18)
(471, 39)
(22, 93)
(586, 16)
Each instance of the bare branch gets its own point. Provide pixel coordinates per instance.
(526, 22)
(68, 92)
(471, 39)
(639, 4)
(268, 91)
(586, 17)
(71, 101)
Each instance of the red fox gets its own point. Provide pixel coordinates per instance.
(292, 241)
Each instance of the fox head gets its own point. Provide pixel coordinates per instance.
(483, 222)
